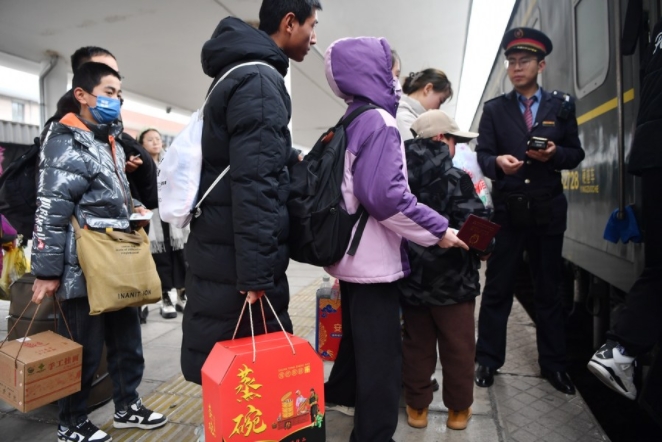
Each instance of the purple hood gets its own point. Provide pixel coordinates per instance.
(375, 172)
(361, 67)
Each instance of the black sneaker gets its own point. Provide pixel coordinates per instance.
(138, 416)
(144, 312)
(83, 432)
(180, 305)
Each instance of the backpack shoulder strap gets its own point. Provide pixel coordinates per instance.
(249, 63)
(218, 178)
(346, 121)
(196, 209)
(363, 216)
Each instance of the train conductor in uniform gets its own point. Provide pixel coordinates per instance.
(527, 137)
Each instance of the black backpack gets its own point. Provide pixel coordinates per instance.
(18, 191)
(320, 228)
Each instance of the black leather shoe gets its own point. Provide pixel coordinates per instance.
(559, 380)
(484, 376)
(435, 384)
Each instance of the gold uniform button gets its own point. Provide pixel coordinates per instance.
(527, 181)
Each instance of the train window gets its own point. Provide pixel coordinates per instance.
(591, 38)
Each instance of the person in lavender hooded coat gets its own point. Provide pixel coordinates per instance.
(359, 71)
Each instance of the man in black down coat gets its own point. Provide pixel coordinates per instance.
(238, 245)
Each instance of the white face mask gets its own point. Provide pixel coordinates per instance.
(397, 88)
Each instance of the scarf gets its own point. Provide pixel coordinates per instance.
(178, 237)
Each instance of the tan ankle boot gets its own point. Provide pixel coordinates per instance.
(458, 420)
(417, 418)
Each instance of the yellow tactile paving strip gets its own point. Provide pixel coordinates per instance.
(181, 401)
(302, 309)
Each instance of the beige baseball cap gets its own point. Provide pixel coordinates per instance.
(435, 122)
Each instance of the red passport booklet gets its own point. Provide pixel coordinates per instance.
(477, 232)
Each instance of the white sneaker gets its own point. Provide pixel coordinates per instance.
(167, 309)
(139, 416)
(614, 369)
(347, 411)
(83, 432)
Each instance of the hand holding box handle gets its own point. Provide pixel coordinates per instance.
(27, 332)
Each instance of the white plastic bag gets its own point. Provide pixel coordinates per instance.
(180, 169)
(466, 159)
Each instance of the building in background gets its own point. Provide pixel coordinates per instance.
(20, 110)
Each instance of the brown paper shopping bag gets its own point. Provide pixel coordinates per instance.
(118, 267)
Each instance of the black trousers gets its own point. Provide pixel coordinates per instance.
(368, 369)
(170, 264)
(120, 331)
(639, 325)
(545, 261)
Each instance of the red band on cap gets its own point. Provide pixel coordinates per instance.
(527, 42)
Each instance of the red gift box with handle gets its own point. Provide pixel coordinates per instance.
(264, 388)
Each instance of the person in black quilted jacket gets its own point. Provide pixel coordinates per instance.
(237, 248)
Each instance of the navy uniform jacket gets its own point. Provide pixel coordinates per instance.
(503, 132)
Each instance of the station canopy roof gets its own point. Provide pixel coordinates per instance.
(158, 43)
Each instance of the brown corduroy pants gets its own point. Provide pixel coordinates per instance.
(452, 326)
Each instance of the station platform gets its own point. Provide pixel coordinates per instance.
(519, 407)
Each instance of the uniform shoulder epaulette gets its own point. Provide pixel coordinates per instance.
(567, 104)
(563, 96)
